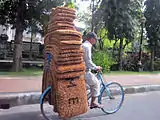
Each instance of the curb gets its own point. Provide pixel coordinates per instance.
(16, 99)
(141, 89)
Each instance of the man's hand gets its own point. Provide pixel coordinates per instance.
(99, 68)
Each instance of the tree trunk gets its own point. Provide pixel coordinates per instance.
(140, 47)
(113, 54)
(156, 49)
(17, 53)
(120, 54)
(152, 59)
(101, 44)
(30, 52)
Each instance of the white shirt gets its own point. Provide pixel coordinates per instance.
(87, 46)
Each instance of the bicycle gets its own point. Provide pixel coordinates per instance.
(108, 93)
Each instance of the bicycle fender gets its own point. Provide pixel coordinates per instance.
(44, 93)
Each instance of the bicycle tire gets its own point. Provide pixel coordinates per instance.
(42, 98)
(111, 96)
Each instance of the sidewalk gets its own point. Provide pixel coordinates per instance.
(16, 91)
(20, 84)
(33, 84)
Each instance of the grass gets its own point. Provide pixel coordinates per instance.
(24, 72)
(38, 72)
(131, 72)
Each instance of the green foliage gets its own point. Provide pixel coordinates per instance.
(128, 48)
(90, 16)
(152, 13)
(119, 18)
(108, 43)
(156, 64)
(103, 59)
(22, 14)
(24, 72)
(130, 62)
(70, 4)
(105, 43)
(33, 10)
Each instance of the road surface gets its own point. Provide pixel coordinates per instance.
(144, 106)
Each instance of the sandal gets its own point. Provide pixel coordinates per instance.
(96, 106)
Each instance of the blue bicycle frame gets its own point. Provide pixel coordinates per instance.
(104, 86)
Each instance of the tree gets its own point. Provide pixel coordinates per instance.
(70, 3)
(91, 15)
(96, 21)
(120, 18)
(34, 29)
(19, 13)
(152, 15)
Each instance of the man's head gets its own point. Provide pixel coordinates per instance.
(92, 38)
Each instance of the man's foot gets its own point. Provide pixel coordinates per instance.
(96, 106)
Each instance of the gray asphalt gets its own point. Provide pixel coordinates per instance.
(143, 106)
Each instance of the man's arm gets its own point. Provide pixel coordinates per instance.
(88, 60)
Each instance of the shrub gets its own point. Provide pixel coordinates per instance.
(130, 62)
(157, 65)
(103, 59)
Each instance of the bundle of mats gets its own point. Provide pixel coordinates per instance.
(64, 67)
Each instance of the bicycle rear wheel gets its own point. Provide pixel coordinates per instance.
(112, 97)
(46, 108)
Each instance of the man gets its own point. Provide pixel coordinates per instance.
(94, 84)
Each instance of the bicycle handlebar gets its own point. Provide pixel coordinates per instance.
(96, 71)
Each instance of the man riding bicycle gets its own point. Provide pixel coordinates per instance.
(94, 84)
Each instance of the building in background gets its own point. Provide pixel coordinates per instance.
(7, 44)
(26, 35)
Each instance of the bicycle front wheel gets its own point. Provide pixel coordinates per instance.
(112, 97)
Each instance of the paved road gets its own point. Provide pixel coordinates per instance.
(144, 106)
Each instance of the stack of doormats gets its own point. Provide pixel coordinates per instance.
(64, 64)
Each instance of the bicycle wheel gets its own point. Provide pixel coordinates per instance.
(46, 108)
(111, 97)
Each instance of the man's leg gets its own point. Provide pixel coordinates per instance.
(95, 93)
(94, 84)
